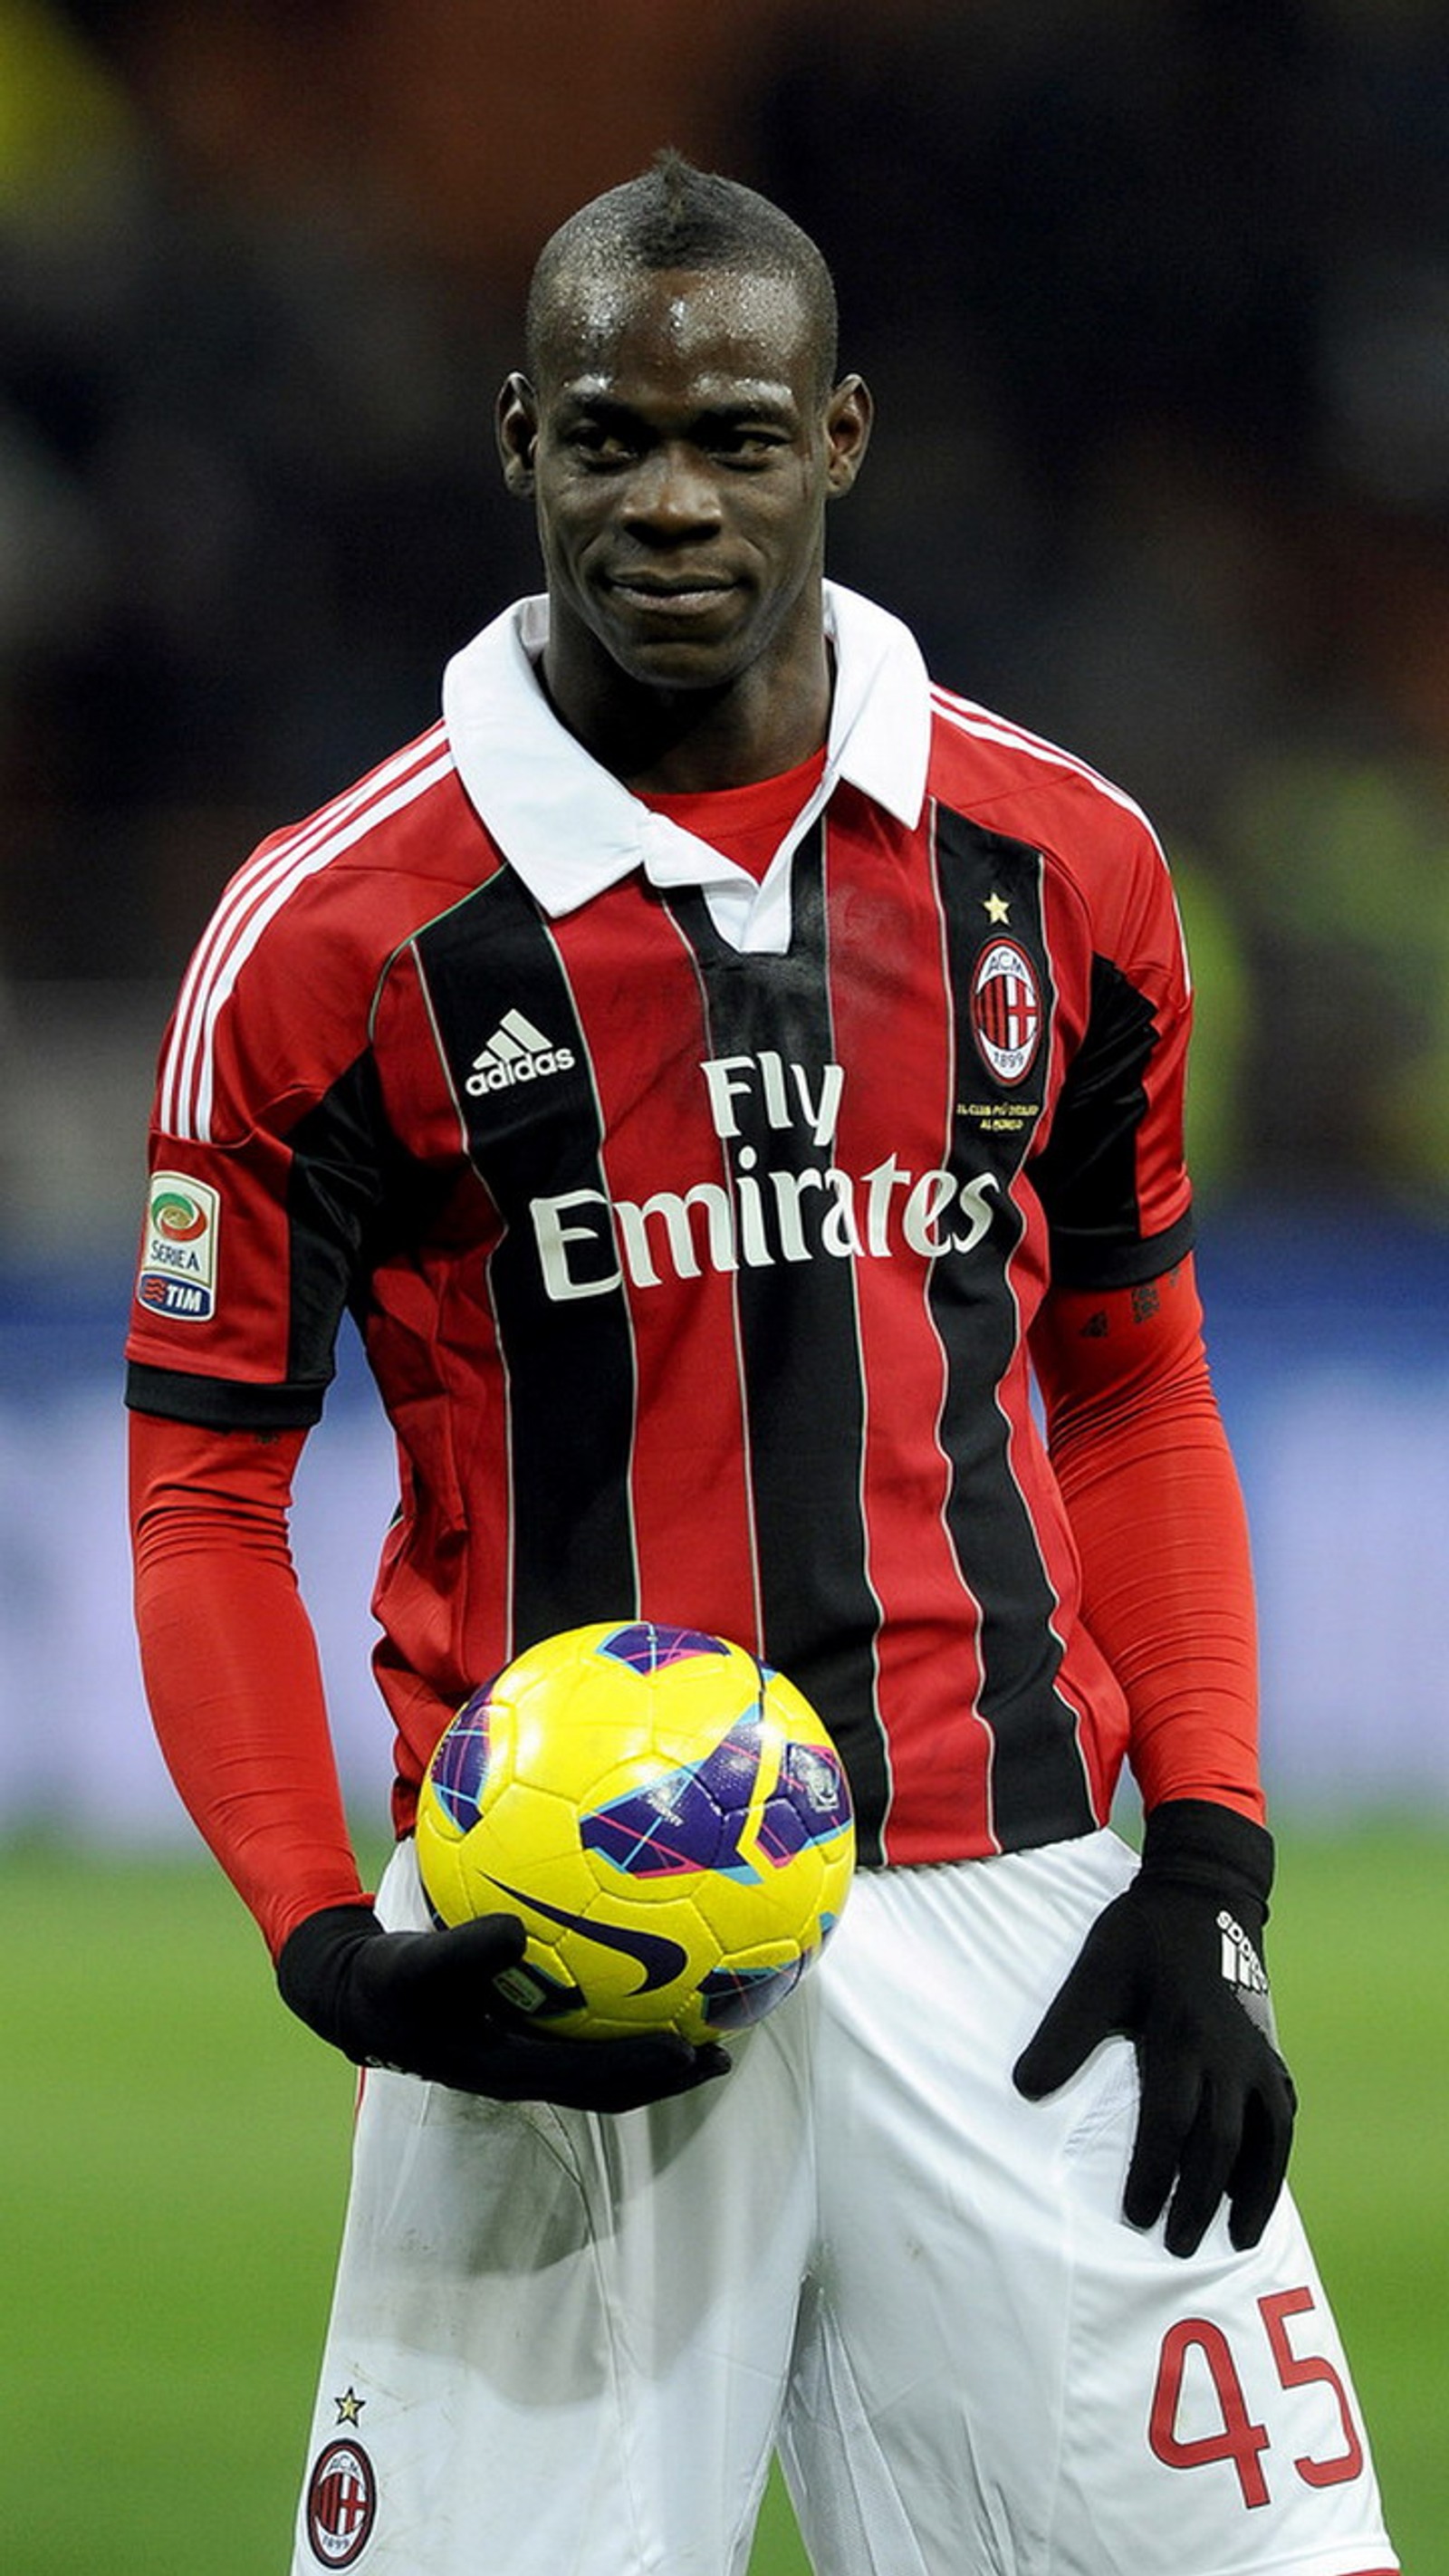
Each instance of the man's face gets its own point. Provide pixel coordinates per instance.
(680, 450)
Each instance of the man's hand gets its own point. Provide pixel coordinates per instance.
(1175, 1965)
(422, 2003)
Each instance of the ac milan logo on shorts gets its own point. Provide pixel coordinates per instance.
(341, 2504)
(1006, 1010)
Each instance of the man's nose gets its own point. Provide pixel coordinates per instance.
(672, 492)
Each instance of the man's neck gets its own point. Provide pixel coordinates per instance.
(688, 741)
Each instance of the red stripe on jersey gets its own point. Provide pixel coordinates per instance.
(689, 1477)
(444, 1605)
(1085, 1682)
(927, 1649)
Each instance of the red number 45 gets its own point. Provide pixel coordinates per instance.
(1240, 2439)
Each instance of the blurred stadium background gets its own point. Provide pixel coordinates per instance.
(1154, 295)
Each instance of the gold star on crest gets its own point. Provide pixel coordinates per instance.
(349, 2408)
(996, 908)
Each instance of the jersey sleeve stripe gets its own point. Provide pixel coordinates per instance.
(253, 901)
(250, 882)
(224, 979)
(983, 726)
(261, 871)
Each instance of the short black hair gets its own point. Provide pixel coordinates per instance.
(675, 216)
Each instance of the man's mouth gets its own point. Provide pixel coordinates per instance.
(672, 594)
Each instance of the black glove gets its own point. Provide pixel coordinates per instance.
(1175, 1965)
(422, 2003)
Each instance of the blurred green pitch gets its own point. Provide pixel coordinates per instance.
(173, 2159)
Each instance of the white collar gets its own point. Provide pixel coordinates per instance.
(570, 828)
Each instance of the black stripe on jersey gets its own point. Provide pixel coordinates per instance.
(495, 982)
(805, 1421)
(221, 1403)
(347, 1179)
(1086, 1173)
(1039, 1789)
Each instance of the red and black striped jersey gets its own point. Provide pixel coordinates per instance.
(695, 1227)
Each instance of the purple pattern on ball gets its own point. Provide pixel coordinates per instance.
(649, 1648)
(689, 1819)
(460, 1765)
(809, 1804)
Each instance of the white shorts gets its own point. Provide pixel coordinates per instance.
(565, 2345)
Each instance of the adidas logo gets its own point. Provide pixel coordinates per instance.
(516, 1052)
(1241, 1964)
(1245, 1973)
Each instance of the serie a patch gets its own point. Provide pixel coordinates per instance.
(178, 1249)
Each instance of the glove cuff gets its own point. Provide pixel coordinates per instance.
(314, 1963)
(1196, 1843)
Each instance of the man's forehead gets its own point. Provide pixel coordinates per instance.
(605, 323)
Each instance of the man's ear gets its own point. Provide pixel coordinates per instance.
(847, 430)
(515, 424)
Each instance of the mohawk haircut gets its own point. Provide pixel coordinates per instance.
(675, 216)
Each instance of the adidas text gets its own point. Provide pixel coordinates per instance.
(516, 1052)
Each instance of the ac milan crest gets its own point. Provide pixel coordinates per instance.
(341, 2504)
(1006, 1010)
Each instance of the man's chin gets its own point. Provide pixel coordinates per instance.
(686, 640)
(670, 663)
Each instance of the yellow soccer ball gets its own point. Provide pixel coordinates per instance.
(668, 1816)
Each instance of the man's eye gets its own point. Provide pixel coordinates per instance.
(600, 445)
(747, 446)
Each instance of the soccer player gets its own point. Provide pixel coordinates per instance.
(717, 1070)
